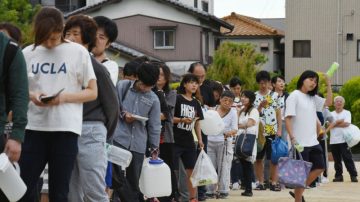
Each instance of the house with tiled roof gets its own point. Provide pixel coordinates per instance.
(175, 32)
(267, 39)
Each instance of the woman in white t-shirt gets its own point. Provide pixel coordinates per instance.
(339, 148)
(249, 123)
(220, 148)
(301, 123)
(54, 125)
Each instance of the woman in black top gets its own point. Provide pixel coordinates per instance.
(188, 112)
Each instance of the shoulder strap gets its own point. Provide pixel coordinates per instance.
(125, 91)
(10, 52)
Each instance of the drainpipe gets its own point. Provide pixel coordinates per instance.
(338, 34)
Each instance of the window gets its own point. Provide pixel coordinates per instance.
(164, 39)
(195, 3)
(302, 49)
(264, 46)
(205, 6)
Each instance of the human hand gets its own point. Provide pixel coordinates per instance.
(35, 98)
(187, 120)
(154, 153)
(13, 150)
(327, 79)
(201, 144)
(129, 117)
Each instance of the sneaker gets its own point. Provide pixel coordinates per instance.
(324, 180)
(210, 195)
(247, 193)
(201, 198)
(338, 179)
(222, 195)
(260, 187)
(253, 185)
(353, 178)
(236, 186)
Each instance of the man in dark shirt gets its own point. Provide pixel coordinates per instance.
(99, 121)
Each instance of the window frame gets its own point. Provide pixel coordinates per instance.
(164, 31)
(302, 55)
(358, 50)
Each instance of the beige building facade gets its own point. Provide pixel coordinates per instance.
(320, 32)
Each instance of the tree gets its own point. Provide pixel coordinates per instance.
(236, 59)
(20, 13)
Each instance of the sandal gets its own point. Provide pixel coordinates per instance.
(275, 187)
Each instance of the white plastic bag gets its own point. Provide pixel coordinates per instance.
(352, 135)
(204, 172)
(212, 123)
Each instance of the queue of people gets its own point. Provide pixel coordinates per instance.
(66, 134)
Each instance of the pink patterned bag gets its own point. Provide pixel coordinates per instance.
(293, 173)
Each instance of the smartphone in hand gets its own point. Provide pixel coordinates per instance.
(48, 98)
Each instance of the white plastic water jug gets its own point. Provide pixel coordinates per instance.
(212, 123)
(155, 178)
(10, 182)
(118, 156)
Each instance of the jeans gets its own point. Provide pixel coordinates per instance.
(87, 180)
(59, 150)
(248, 170)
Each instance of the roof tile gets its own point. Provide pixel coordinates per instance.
(248, 26)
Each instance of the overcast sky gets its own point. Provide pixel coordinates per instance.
(253, 8)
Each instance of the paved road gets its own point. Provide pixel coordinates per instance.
(330, 192)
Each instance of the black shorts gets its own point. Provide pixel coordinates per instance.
(267, 149)
(186, 154)
(314, 154)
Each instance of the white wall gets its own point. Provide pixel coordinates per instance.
(318, 21)
(191, 3)
(145, 7)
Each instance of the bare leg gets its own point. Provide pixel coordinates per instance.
(259, 171)
(192, 191)
(312, 176)
(44, 197)
(274, 173)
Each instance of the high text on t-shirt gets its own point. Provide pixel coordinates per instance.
(187, 111)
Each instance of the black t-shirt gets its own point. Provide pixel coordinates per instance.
(186, 109)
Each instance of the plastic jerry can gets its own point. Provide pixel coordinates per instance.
(10, 182)
(118, 156)
(155, 178)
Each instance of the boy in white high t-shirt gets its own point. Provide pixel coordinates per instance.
(301, 123)
(54, 126)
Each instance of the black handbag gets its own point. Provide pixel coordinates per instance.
(244, 145)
